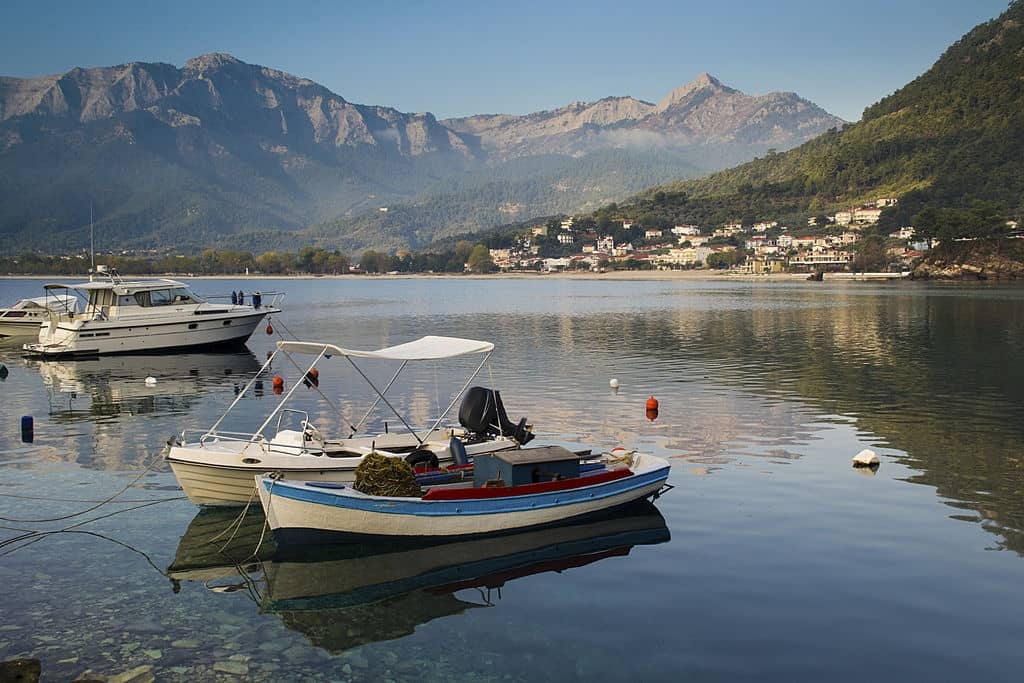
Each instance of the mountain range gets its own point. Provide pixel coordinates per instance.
(224, 150)
(951, 137)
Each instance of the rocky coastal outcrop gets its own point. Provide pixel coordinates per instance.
(980, 260)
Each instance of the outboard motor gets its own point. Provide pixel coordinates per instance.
(483, 414)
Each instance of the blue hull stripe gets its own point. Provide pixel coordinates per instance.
(481, 506)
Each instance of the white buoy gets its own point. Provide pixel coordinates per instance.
(150, 381)
(614, 383)
(866, 458)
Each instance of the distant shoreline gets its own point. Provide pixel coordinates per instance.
(635, 275)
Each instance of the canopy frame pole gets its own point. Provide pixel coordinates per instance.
(305, 376)
(213, 429)
(287, 396)
(377, 400)
(386, 402)
(458, 395)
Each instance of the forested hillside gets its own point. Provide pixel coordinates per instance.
(953, 136)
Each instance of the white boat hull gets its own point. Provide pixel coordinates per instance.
(19, 328)
(97, 337)
(221, 473)
(300, 515)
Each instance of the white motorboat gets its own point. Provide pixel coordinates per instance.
(219, 467)
(139, 316)
(26, 315)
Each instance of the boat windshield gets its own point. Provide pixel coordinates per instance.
(165, 297)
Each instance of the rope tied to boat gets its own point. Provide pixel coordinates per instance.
(619, 456)
(152, 463)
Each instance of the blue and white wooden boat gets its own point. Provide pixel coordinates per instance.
(299, 511)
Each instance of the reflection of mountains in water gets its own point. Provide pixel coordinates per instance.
(117, 384)
(345, 596)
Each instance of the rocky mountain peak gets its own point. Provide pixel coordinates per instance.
(703, 82)
(211, 61)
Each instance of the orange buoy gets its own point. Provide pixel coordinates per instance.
(652, 414)
(652, 403)
(270, 329)
(278, 383)
(313, 372)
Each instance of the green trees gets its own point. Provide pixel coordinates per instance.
(982, 220)
(479, 260)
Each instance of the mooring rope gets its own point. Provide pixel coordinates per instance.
(152, 463)
(31, 537)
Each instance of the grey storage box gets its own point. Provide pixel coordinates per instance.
(525, 466)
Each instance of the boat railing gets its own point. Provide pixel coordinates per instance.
(301, 413)
(216, 435)
(274, 300)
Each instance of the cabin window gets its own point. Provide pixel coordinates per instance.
(161, 297)
(168, 297)
(142, 298)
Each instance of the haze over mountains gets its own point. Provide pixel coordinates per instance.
(223, 150)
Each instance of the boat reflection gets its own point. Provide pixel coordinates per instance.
(115, 385)
(345, 596)
(222, 544)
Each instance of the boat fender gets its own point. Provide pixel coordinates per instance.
(423, 456)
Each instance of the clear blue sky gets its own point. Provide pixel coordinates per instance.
(459, 58)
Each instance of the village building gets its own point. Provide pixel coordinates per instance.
(904, 233)
(866, 214)
(686, 230)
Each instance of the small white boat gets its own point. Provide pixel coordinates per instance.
(141, 316)
(311, 512)
(26, 315)
(218, 467)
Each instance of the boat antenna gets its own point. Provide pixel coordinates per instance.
(92, 247)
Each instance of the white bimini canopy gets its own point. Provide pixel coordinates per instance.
(59, 301)
(425, 348)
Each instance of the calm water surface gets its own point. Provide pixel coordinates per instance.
(772, 558)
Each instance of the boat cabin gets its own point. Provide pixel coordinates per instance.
(104, 300)
(527, 466)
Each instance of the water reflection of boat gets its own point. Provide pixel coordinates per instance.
(347, 596)
(221, 543)
(117, 384)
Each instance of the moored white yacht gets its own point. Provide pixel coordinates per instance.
(132, 316)
(26, 315)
